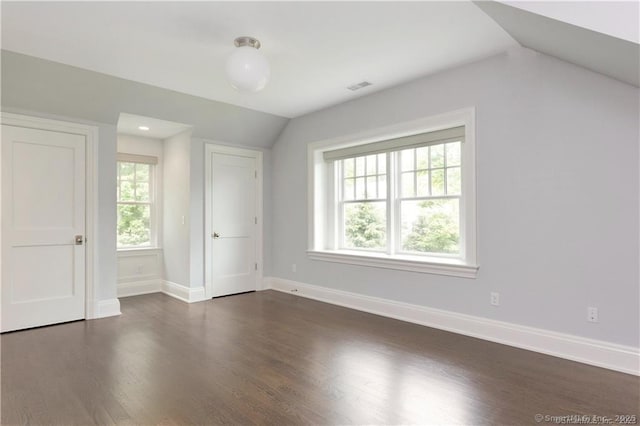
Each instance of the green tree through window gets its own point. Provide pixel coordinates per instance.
(434, 231)
(134, 204)
(364, 226)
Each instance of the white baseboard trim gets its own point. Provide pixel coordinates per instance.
(136, 288)
(106, 308)
(184, 293)
(588, 351)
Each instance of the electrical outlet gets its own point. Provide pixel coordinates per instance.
(139, 269)
(293, 267)
(495, 299)
(592, 314)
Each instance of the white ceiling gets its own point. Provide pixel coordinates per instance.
(316, 49)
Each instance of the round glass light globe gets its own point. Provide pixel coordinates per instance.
(248, 69)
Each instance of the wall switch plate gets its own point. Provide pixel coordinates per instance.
(592, 314)
(294, 268)
(495, 299)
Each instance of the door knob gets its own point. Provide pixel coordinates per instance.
(215, 235)
(79, 240)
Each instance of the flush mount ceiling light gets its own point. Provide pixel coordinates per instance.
(247, 68)
(144, 128)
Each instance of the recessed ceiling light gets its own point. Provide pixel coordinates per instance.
(145, 128)
(358, 86)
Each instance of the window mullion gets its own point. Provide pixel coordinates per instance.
(391, 208)
(444, 169)
(415, 172)
(153, 220)
(430, 170)
(135, 182)
(338, 235)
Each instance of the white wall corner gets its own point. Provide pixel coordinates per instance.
(588, 351)
(184, 293)
(267, 283)
(136, 288)
(106, 308)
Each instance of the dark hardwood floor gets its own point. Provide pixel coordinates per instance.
(277, 359)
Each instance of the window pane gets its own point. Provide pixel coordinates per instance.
(437, 156)
(360, 189)
(126, 191)
(372, 183)
(142, 191)
(422, 183)
(382, 163)
(365, 225)
(422, 157)
(134, 225)
(453, 154)
(142, 172)
(371, 164)
(431, 226)
(406, 159)
(407, 185)
(349, 187)
(349, 167)
(126, 170)
(359, 166)
(437, 182)
(453, 181)
(382, 186)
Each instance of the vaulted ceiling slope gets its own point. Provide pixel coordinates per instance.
(609, 55)
(35, 84)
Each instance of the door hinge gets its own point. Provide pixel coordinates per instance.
(255, 220)
(255, 174)
(256, 266)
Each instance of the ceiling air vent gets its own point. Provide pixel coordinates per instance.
(359, 86)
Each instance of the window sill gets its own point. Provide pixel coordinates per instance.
(138, 249)
(449, 267)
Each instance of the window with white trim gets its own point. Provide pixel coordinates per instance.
(402, 202)
(136, 226)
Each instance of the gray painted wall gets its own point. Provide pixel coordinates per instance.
(176, 234)
(196, 212)
(557, 193)
(106, 258)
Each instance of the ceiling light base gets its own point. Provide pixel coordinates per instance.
(247, 41)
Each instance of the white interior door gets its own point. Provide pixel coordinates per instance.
(233, 224)
(43, 227)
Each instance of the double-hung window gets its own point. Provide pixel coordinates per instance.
(403, 202)
(136, 201)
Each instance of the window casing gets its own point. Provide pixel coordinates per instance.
(136, 202)
(402, 200)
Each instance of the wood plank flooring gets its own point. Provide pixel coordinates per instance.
(276, 359)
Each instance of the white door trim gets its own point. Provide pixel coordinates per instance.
(91, 197)
(209, 149)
